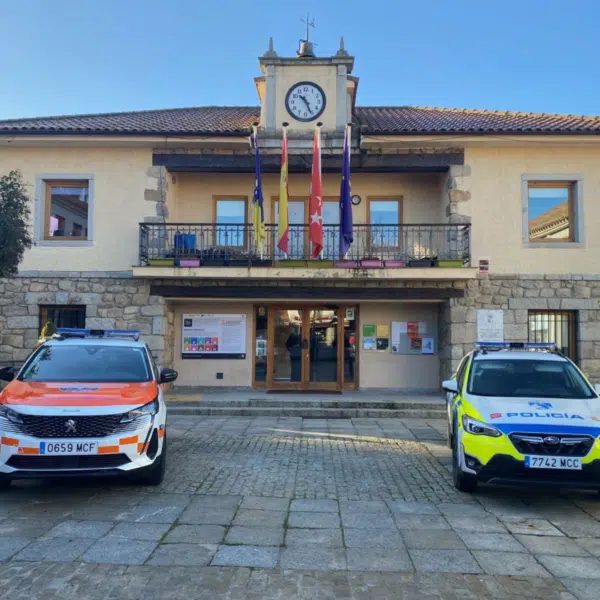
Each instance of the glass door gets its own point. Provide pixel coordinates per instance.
(306, 348)
(285, 359)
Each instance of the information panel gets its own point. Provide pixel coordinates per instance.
(213, 336)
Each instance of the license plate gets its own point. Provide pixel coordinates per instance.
(553, 462)
(68, 448)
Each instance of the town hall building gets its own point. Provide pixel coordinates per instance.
(466, 223)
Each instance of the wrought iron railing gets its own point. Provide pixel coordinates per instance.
(235, 245)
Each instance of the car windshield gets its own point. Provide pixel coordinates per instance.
(88, 363)
(527, 379)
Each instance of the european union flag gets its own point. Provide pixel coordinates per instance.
(258, 216)
(346, 234)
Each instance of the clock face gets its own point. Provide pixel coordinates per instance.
(305, 101)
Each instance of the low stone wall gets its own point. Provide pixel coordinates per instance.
(517, 295)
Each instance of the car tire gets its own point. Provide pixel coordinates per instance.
(155, 473)
(463, 482)
(5, 482)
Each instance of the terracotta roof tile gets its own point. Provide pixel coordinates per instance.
(231, 120)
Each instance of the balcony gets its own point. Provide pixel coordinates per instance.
(374, 246)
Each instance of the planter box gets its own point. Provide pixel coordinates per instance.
(422, 262)
(371, 263)
(395, 264)
(238, 262)
(454, 263)
(213, 262)
(292, 263)
(161, 262)
(261, 262)
(188, 262)
(346, 264)
(319, 264)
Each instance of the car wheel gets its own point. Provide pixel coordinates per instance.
(155, 473)
(463, 482)
(5, 482)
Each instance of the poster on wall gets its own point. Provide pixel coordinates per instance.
(213, 336)
(490, 325)
(427, 345)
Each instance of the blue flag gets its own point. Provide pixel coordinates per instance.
(258, 216)
(346, 234)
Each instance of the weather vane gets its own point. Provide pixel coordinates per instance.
(309, 23)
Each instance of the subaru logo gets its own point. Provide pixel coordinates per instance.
(71, 426)
(551, 440)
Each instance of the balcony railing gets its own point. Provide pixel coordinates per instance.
(210, 244)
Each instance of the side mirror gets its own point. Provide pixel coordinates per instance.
(450, 385)
(7, 374)
(168, 376)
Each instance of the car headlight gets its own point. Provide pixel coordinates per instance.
(10, 414)
(148, 409)
(476, 427)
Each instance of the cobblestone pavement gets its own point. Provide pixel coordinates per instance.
(286, 508)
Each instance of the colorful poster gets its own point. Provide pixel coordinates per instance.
(383, 344)
(214, 335)
(412, 328)
(427, 345)
(369, 343)
(416, 343)
(369, 330)
(383, 331)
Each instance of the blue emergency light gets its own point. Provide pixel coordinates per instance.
(548, 346)
(74, 332)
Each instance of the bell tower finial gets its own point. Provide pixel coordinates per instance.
(306, 49)
(342, 51)
(270, 53)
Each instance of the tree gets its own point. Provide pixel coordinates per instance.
(15, 236)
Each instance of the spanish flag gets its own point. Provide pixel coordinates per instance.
(283, 228)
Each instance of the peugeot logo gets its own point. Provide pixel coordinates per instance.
(71, 426)
(551, 440)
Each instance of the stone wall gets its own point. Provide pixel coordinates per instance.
(516, 295)
(111, 302)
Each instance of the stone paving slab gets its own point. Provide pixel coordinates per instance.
(258, 510)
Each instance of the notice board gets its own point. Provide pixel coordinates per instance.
(414, 337)
(213, 336)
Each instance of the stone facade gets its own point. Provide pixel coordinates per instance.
(120, 301)
(516, 295)
(111, 302)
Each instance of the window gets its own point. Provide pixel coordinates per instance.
(66, 210)
(384, 218)
(62, 316)
(462, 369)
(556, 326)
(532, 378)
(230, 218)
(551, 211)
(89, 363)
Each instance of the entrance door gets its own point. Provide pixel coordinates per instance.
(306, 349)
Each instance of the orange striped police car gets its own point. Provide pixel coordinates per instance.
(85, 403)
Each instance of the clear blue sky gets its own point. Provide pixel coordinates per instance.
(81, 56)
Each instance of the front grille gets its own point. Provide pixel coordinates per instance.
(93, 461)
(548, 444)
(56, 427)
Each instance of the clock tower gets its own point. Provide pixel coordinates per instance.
(306, 89)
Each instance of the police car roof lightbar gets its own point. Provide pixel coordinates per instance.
(547, 346)
(73, 332)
